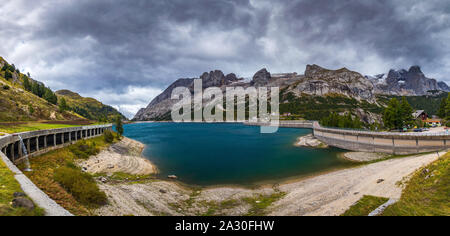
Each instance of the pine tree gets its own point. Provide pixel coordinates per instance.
(35, 88)
(50, 97)
(63, 104)
(26, 83)
(406, 111)
(119, 126)
(391, 115)
(442, 113)
(8, 75)
(447, 109)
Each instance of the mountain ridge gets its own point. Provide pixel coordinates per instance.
(88, 107)
(316, 81)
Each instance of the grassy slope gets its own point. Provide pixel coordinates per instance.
(88, 107)
(30, 126)
(427, 193)
(8, 186)
(365, 206)
(15, 102)
(43, 176)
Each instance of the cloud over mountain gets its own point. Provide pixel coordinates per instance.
(111, 50)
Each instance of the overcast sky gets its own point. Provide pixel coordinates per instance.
(125, 52)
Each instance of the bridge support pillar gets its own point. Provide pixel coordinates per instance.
(19, 148)
(37, 144)
(28, 146)
(12, 152)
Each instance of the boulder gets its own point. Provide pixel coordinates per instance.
(19, 194)
(172, 177)
(23, 202)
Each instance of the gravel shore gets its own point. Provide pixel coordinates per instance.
(124, 156)
(363, 156)
(327, 194)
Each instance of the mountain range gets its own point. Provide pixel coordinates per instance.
(352, 88)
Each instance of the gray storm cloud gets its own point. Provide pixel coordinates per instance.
(125, 52)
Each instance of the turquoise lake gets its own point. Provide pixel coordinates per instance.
(218, 154)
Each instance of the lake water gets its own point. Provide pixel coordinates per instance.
(216, 154)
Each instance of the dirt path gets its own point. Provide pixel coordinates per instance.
(124, 156)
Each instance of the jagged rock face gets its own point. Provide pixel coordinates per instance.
(162, 104)
(316, 81)
(319, 81)
(217, 79)
(406, 82)
(443, 86)
(261, 78)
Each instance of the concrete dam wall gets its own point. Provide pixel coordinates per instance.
(382, 142)
(367, 141)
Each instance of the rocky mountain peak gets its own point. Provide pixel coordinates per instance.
(217, 78)
(312, 70)
(408, 82)
(415, 70)
(320, 81)
(261, 78)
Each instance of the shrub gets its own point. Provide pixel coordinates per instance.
(81, 185)
(84, 150)
(30, 109)
(8, 75)
(6, 87)
(108, 136)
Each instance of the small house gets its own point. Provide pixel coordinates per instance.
(420, 115)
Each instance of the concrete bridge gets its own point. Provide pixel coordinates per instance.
(37, 143)
(42, 141)
(366, 141)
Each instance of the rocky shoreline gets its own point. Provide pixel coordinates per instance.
(310, 141)
(363, 156)
(326, 194)
(124, 156)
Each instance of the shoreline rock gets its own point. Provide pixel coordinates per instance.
(124, 156)
(363, 156)
(310, 141)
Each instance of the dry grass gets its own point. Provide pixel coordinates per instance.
(427, 193)
(44, 167)
(8, 186)
(365, 206)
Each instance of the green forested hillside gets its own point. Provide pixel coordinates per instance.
(318, 107)
(428, 103)
(88, 107)
(24, 99)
